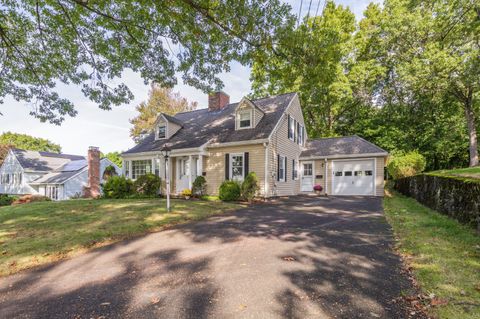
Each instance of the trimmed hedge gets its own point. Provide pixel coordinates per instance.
(459, 199)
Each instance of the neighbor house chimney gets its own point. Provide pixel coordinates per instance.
(218, 100)
(93, 188)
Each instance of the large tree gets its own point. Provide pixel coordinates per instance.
(405, 77)
(160, 100)
(89, 44)
(313, 61)
(27, 142)
(431, 54)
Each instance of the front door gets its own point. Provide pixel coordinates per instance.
(183, 169)
(307, 177)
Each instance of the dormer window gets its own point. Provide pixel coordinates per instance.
(162, 131)
(245, 119)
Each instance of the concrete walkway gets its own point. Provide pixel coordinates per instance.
(295, 258)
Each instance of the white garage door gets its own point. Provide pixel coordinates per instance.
(354, 177)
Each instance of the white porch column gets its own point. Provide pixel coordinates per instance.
(190, 162)
(200, 165)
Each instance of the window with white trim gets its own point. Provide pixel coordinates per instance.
(140, 168)
(237, 166)
(294, 169)
(281, 168)
(162, 131)
(291, 128)
(300, 133)
(245, 118)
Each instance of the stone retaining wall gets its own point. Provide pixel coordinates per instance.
(459, 199)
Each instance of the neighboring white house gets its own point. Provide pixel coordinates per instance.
(58, 176)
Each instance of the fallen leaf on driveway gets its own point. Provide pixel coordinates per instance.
(288, 258)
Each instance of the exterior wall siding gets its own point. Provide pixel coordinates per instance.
(319, 169)
(214, 165)
(258, 115)
(380, 178)
(280, 144)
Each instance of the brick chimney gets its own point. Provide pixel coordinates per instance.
(93, 188)
(218, 100)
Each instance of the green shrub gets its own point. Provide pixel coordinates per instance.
(250, 186)
(6, 200)
(229, 191)
(118, 187)
(199, 186)
(147, 185)
(405, 165)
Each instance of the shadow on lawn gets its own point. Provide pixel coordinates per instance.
(339, 264)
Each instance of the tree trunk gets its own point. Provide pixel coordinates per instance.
(472, 130)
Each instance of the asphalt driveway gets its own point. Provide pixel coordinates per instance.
(295, 258)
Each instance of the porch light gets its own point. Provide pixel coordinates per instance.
(166, 153)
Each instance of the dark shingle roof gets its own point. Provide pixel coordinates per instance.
(202, 126)
(348, 145)
(43, 161)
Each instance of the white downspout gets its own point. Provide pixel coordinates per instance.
(265, 187)
(326, 177)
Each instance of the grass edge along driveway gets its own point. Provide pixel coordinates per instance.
(43, 232)
(444, 255)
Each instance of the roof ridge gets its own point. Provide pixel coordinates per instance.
(47, 152)
(331, 138)
(229, 104)
(369, 142)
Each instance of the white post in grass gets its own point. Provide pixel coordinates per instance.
(166, 152)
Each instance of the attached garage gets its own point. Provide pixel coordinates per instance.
(353, 177)
(343, 166)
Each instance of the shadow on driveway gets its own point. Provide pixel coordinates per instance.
(295, 258)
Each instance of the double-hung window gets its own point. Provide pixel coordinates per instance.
(291, 128)
(140, 168)
(237, 166)
(299, 134)
(245, 119)
(162, 131)
(281, 168)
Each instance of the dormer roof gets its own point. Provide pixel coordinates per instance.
(169, 118)
(249, 103)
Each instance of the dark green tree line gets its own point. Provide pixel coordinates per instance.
(406, 76)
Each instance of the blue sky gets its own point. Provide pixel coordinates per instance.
(109, 130)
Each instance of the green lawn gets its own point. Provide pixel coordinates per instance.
(42, 232)
(468, 173)
(444, 255)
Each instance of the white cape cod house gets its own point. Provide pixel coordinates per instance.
(266, 136)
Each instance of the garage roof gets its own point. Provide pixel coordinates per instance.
(338, 146)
